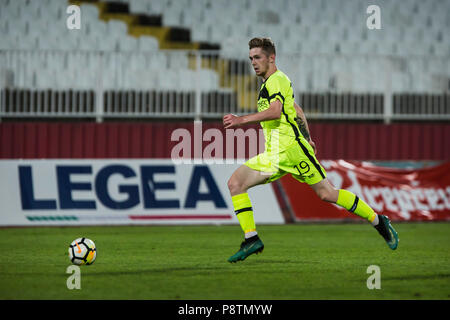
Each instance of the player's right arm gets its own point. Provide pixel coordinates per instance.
(271, 113)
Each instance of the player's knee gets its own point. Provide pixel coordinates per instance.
(235, 186)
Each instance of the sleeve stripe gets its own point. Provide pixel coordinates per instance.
(276, 94)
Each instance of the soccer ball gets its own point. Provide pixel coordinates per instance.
(82, 251)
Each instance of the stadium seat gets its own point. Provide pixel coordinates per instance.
(89, 12)
(87, 43)
(117, 28)
(216, 33)
(45, 43)
(158, 60)
(169, 80)
(147, 43)
(441, 49)
(233, 47)
(128, 43)
(139, 6)
(12, 8)
(199, 33)
(172, 17)
(188, 80)
(178, 60)
(156, 6)
(209, 80)
(401, 82)
(106, 44)
(48, 79)
(96, 27)
(307, 28)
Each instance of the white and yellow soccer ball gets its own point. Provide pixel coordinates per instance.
(82, 251)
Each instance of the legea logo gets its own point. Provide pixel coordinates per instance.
(119, 187)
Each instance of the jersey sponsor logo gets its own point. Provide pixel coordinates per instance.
(263, 104)
(263, 99)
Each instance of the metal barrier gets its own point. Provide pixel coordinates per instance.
(204, 84)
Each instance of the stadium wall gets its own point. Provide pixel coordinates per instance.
(350, 141)
(89, 173)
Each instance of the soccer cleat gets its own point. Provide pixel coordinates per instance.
(248, 247)
(386, 230)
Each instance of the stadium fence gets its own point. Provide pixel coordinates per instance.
(204, 84)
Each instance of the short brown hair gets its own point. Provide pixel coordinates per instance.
(266, 44)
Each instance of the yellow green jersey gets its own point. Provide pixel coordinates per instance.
(286, 149)
(280, 134)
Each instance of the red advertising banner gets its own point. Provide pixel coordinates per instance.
(402, 195)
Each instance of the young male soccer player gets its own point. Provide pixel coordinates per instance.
(288, 149)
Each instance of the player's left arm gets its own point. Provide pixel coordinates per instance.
(271, 113)
(303, 125)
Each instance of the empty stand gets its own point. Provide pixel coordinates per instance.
(323, 46)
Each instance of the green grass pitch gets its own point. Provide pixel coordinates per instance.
(313, 261)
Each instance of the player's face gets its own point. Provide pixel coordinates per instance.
(260, 61)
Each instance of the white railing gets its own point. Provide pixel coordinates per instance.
(202, 84)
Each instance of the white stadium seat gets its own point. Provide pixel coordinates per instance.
(310, 29)
(117, 28)
(188, 80)
(147, 43)
(209, 80)
(139, 6)
(129, 43)
(89, 12)
(169, 80)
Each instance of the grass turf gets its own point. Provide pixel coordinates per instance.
(316, 261)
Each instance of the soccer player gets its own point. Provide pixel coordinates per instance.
(288, 149)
